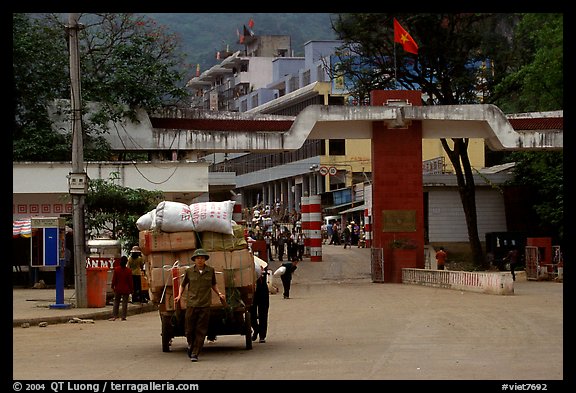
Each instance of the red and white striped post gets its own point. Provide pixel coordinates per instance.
(305, 210)
(367, 228)
(315, 226)
(237, 211)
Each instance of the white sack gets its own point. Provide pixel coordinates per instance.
(145, 221)
(280, 271)
(172, 217)
(212, 217)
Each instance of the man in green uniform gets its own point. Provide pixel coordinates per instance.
(200, 279)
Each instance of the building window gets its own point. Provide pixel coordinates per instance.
(337, 147)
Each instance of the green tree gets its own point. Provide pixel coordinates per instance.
(460, 58)
(112, 210)
(536, 83)
(37, 80)
(535, 80)
(126, 61)
(541, 174)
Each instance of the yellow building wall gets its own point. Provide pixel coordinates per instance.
(359, 156)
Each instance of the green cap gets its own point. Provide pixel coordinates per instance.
(200, 252)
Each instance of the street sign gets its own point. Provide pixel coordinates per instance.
(323, 170)
(332, 171)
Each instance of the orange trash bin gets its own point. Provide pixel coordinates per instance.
(96, 278)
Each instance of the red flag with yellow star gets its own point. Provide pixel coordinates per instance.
(402, 37)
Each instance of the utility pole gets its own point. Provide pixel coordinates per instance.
(77, 180)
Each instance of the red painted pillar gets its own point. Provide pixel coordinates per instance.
(367, 228)
(397, 190)
(237, 211)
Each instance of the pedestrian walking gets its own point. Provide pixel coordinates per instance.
(512, 258)
(268, 239)
(199, 280)
(260, 305)
(347, 236)
(300, 243)
(122, 285)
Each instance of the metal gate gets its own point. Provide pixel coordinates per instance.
(377, 263)
(532, 258)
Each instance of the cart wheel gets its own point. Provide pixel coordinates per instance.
(166, 333)
(248, 330)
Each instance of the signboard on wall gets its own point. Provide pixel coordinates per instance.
(399, 221)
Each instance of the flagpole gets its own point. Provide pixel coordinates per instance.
(395, 76)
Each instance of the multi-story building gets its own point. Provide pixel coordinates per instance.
(338, 168)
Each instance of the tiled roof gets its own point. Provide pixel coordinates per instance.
(221, 124)
(543, 123)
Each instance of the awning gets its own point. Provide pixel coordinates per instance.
(21, 228)
(338, 206)
(354, 209)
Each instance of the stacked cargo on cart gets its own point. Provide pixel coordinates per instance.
(168, 237)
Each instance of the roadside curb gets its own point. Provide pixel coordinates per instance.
(82, 314)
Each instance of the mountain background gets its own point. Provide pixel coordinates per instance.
(204, 34)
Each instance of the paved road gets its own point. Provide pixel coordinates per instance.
(338, 325)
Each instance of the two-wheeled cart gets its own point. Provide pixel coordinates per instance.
(233, 318)
(224, 321)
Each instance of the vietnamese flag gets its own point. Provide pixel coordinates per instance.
(402, 37)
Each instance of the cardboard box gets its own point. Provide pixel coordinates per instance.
(219, 259)
(242, 277)
(235, 259)
(160, 259)
(164, 277)
(151, 241)
(215, 241)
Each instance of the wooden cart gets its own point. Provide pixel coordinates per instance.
(232, 319)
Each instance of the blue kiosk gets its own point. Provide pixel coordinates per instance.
(49, 250)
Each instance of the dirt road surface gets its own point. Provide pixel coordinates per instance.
(338, 325)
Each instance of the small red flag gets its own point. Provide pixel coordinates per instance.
(251, 23)
(402, 37)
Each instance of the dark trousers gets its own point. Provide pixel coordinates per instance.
(269, 252)
(259, 318)
(197, 320)
(136, 294)
(300, 251)
(286, 281)
(512, 270)
(120, 298)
